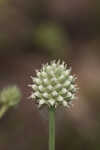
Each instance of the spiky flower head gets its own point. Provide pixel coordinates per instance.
(54, 85)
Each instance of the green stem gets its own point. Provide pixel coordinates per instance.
(52, 129)
(3, 109)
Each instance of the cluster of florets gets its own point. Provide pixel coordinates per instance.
(54, 85)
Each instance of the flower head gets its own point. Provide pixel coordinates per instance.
(54, 85)
(10, 96)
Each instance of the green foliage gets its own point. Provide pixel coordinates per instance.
(9, 97)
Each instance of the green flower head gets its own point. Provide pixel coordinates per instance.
(54, 85)
(10, 96)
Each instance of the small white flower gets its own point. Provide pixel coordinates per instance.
(62, 66)
(72, 87)
(41, 88)
(74, 79)
(38, 81)
(44, 74)
(32, 96)
(37, 94)
(54, 80)
(69, 94)
(65, 104)
(51, 73)
(67, 72)
(70, 78)
(51, 102)
(61, 77)
(58, 86)
(54, 65)
(48, 68)
(45, 95)
(38, 74)
(50, 87)
(60, 98)
(54, 93)
(64, 91)
(73, 97)
(33, 86)
(67, 83)
(45, 81)
(41, 102)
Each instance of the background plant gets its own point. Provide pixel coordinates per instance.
(9, 97)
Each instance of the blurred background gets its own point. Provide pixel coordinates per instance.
(32, 33)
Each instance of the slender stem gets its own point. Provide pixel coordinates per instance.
(3, 109)
(51, 129)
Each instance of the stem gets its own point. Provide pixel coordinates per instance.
(3, 109)
(51, 128)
